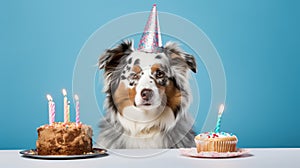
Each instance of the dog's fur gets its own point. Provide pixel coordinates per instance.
(148, 95)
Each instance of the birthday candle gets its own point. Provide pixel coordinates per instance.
(221, 109)
(68, 111)
(77, 108)
(51, 109)
(64, 92)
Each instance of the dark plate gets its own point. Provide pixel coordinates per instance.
(32, 153)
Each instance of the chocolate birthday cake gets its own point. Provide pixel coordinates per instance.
(64, 139)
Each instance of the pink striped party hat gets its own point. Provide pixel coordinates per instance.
(151, 38)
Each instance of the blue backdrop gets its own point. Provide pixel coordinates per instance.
(257, 42)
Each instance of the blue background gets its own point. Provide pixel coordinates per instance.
(258, 42)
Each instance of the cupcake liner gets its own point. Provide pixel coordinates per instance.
(216, 145)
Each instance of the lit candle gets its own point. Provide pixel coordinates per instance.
(64, 92)
(77, 108)
(68, 111)
(51, 109)
(221, 109)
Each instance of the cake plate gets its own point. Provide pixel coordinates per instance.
(32, 153)
(192, 152)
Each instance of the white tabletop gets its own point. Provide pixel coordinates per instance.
(257, 157)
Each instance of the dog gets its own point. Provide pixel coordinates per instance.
(147, 97)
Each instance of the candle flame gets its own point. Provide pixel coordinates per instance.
(64, 92)
(49, 97)
(221, 109)
(76, 97)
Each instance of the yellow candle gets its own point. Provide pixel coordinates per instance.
(66, 118)
(68, 111)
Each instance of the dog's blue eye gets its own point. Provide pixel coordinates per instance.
(135, 76)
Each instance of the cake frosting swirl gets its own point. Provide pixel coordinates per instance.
(215, 135)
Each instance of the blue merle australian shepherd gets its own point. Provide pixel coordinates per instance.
(147, 97)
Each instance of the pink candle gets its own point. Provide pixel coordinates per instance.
(66, 114)
(51, 109)
(77, 108)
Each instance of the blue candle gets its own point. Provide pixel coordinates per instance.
(221, 109)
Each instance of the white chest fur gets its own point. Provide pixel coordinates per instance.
(142, 131)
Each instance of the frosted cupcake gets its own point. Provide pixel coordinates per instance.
(216, 142)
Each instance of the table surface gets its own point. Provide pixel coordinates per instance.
(257, 157)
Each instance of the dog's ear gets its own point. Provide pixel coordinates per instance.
(177, 55)
(112, 57)
(191, 62)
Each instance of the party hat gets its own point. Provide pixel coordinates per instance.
(151, 38)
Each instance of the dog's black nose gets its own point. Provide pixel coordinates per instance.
(146, 94)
